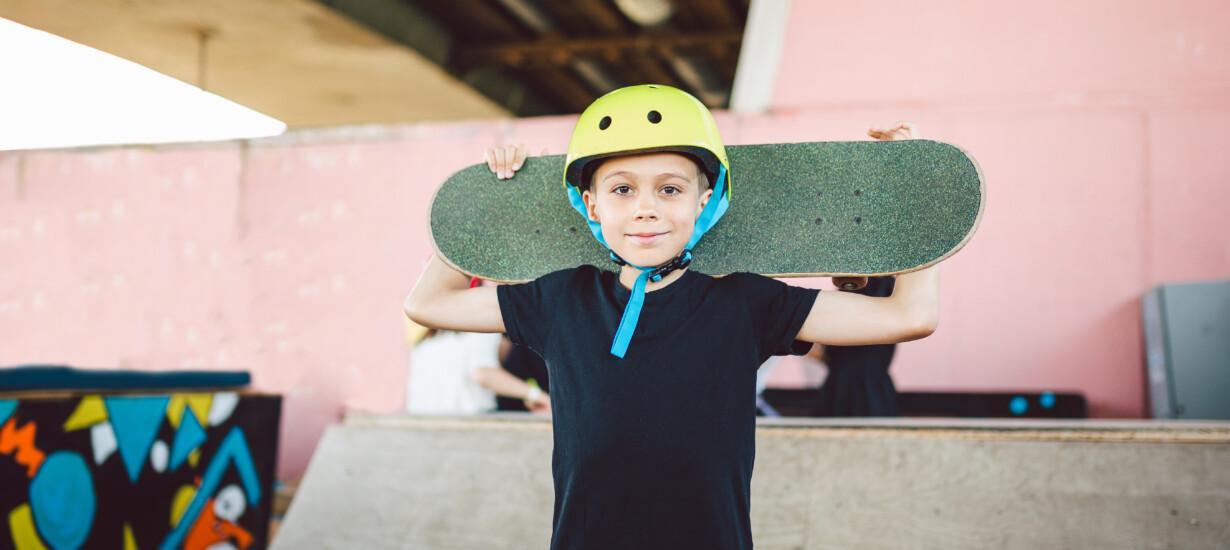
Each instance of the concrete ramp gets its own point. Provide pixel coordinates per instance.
(485, 482)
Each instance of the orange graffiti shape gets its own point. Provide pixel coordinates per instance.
(209, 529)
(21, 440)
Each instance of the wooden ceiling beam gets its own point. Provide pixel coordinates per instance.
(561, 83)
(653, 72)
(484, 20)
(604, 16)
(560, 53)
(715, 14)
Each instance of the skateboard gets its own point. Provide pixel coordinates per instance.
(818, 209)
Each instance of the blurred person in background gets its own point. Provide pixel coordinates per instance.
(459, 373)
(858, 382)
(525, 364)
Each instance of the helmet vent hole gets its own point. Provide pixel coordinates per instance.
(655, 117)
(604, 123)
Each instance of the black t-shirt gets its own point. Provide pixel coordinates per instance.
(654, 450)
(523, 363)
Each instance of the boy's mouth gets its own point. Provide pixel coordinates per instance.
(646, 238)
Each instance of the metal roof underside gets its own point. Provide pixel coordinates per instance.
(542, 57)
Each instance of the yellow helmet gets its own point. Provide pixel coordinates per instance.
(644, 118)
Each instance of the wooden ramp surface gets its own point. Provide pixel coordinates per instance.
(485, 482)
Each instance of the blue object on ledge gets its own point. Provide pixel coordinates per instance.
(59, 377)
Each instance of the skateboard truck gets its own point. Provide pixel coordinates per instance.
(850, 283)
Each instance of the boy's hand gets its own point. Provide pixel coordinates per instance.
(903, 130)
(504, 161)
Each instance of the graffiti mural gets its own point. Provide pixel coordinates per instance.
(180, 470)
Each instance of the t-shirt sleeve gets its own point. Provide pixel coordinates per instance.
(526, 309)
(778, 311)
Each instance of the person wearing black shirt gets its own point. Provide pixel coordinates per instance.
(522, 362)
(858, 382)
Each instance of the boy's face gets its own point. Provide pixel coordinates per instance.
(647, 205)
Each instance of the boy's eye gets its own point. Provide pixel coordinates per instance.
(622, 189)
(671, 190)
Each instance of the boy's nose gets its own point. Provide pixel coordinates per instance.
(646, 207)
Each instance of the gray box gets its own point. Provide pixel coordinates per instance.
(1187, 350)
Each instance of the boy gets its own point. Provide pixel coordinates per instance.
(653, 370)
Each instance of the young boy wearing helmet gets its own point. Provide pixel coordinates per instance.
(653, 369)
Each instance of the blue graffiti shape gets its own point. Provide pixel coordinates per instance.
(62, 500)
(234, 448)
(1018, 405)
(1047, 400)
(135, 421)
(189, 436)
(7, 406)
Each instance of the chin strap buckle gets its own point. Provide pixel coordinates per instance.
(681, 261)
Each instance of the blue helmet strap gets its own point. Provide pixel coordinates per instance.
(714, 210)
(632, 311)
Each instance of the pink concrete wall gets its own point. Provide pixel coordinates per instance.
(1100, 126)
(286, 257)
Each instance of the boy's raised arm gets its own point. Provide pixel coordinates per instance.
(912, 312)
(442, 299)
(847, 319)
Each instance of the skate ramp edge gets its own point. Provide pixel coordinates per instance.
(485, 482)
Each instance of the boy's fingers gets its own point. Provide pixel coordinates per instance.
(509, 153)
(500, 166)
(519, 157)
(489, 159)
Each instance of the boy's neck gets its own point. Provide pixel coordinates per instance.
(628, 275)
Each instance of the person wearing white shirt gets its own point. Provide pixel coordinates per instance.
(459, 373)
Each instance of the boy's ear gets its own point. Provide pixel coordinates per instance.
(591, 206)
(704, 199)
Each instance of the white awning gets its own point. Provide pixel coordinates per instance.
(57, 93)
